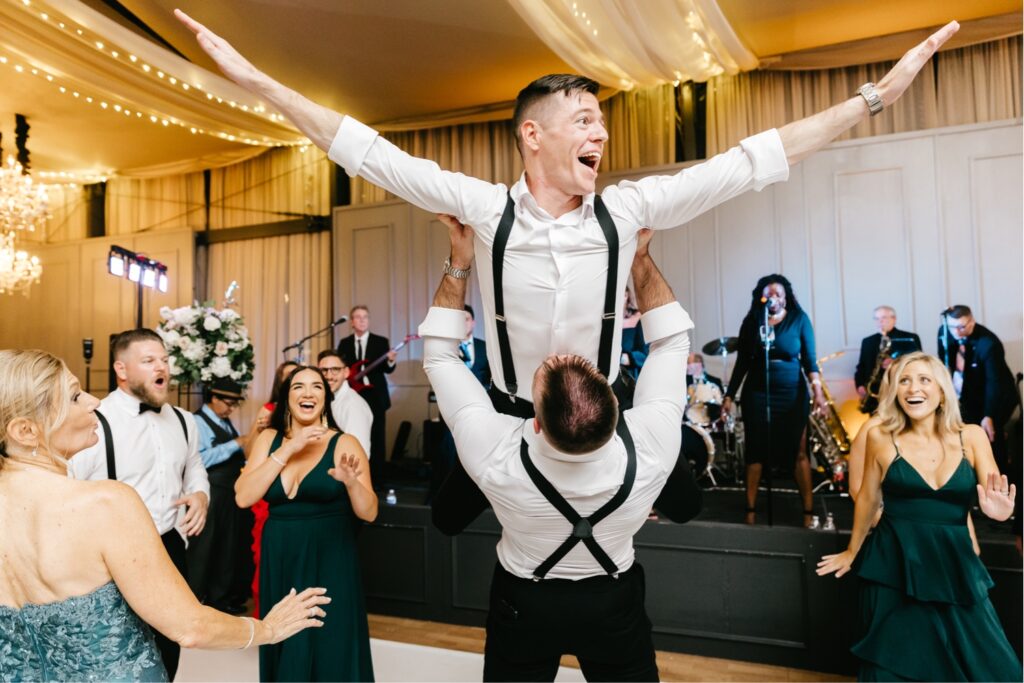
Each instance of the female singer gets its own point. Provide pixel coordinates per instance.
(316, 481)
(791, 350)
(924, 592)
(83, 567)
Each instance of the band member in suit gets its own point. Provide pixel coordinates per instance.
(220, 567)
(983, 381)
(870, 347)
(695, 372)
(473, 351)
(362, 347)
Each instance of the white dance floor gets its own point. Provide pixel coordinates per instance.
(391, 662)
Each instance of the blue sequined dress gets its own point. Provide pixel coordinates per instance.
(91, 637)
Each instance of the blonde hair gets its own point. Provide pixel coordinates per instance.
(34, 385)
(894, 420)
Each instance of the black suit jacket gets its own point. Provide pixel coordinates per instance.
(869, 353)
(988, 389)
(481, 368)
(376, 346)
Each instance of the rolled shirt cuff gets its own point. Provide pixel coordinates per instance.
(351, 144)
(768, 158)
(665, 321)
(447, 323)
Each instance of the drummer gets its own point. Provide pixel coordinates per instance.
(695, 373)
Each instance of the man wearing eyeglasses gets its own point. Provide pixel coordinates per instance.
(220, 564)
(351, 411)
(982, 379)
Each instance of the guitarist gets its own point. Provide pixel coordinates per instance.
(360, 348)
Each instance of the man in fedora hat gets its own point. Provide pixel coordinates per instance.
(219, 562)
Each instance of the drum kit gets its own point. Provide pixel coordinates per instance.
(712, 441)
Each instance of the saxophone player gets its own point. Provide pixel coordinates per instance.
(877, 353)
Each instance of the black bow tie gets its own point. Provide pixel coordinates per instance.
(143, 407)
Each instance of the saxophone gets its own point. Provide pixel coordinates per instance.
(874, 383)
(828, 440)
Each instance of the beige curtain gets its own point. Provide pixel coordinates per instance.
(641, 128)
(284, 294)
(266, 189)
(968, 85)
(149, 204)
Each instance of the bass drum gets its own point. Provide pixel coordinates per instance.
(703, 404)
(698, 448)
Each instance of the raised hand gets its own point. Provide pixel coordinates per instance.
(296, 612)
(996, 497)
(348, 469)
(643, 241)
(895, 83)
(839, 564)
(461, 237)
(235, 66)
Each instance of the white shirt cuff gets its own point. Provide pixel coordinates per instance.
(665, 321)
(351, 144)
(448, 323)
(768, 157)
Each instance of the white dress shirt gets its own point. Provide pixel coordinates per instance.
(556, 267)
(488, 445)
(151, 455)
(353, 415)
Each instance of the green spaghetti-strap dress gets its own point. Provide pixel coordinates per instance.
(309, 541)
(924, 593)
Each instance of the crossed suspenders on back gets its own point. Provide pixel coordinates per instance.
(583, 527)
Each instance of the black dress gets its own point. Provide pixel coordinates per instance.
(792, 354)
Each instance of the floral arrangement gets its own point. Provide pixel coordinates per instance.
(205, 343)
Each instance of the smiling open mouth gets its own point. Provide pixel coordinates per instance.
(307, 405)
(590, 160)
(915, 401)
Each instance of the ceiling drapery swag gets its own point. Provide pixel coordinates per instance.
(626, 44)
(98, 63)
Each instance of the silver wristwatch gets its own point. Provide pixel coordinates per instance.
(457, 273)
(871, 96)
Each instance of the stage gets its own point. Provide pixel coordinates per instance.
(715, 586)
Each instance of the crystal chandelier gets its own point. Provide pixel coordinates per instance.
(18, 270)
(23, 204)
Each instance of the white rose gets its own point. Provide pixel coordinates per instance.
(170, 337)
(221, 348)
(175, 368)
(166, 313)
(227, 315)
(195, 350)
(220, 366)
(205, 375)
(185, 315)
(236, 376)
(211, 323)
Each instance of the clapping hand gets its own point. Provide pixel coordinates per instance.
(347, 470)
(996, 498)
(296, 612)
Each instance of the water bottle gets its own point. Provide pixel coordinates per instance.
(830, 523)
(391, 498)
(815, 523)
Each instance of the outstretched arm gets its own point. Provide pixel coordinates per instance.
(803, 137)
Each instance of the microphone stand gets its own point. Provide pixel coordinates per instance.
(945, 338)
(299, 344)
(767, 467)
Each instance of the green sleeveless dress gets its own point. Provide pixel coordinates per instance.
(310, 541)
(924, 600)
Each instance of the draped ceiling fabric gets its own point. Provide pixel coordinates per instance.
(69, 41)
(626, 44)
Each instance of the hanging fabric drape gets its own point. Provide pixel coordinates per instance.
(626, 44)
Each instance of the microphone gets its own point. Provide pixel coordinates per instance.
(771, 301)
(339, 321)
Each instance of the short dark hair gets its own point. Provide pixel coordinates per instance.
(329, 353)
(359, 307)
(539, 89)
(576, 407)
(125, 339)
(469, 309)
(958, 311)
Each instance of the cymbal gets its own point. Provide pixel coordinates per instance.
(721, 346)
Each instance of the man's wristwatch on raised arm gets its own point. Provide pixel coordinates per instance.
(457, 273)
(871, 96)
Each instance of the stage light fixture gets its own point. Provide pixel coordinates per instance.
(135, 271)
(115, 264)
(161, 281)
(149, 275)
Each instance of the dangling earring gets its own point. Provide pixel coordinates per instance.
(35, 452)
(323, 419)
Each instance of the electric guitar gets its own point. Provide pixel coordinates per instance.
(361, 368)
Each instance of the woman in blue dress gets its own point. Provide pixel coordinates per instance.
(925, 610)
(84, 570)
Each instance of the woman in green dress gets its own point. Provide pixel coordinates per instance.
(924, 592)
(316, 481)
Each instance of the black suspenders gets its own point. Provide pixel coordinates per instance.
(583, 527)
(611, 235)
(108, 440)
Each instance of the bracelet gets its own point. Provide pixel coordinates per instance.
(279, 462)
(252, 631)
(457, 273)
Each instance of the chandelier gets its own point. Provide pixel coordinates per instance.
(23, 204)
(18, 270)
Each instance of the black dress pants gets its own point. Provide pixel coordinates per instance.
(170, 651)
(600, 620)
